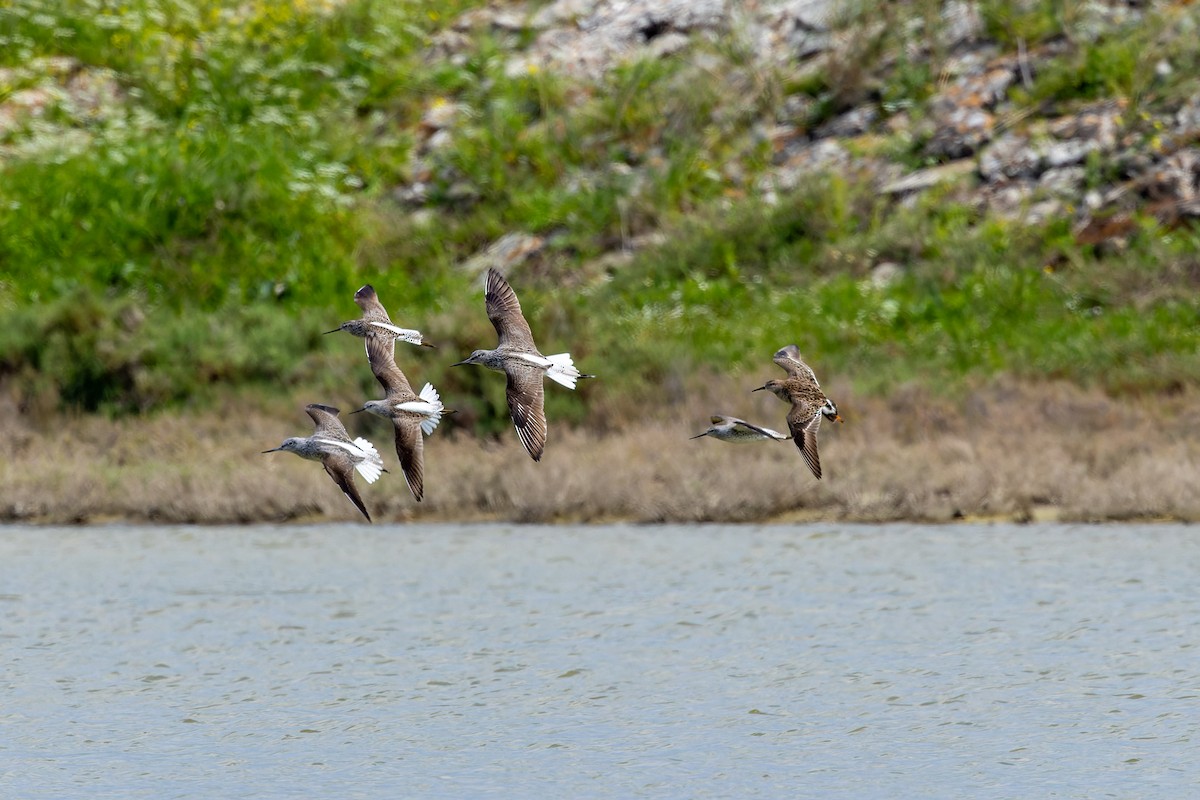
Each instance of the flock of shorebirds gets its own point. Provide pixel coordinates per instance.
(415, 416)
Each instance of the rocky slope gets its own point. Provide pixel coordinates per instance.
(1021, 129)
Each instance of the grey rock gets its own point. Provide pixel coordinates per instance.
(853, 123)
(605, 33)
(1010, 156)
(504, 253)
(960, 133)
(885, 273)
(926, 178)
(962, 23)
(1063, 182)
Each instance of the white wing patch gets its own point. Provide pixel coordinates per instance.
(352, 448)
(369, 464)
(536, 360)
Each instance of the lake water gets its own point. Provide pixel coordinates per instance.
(451, 661)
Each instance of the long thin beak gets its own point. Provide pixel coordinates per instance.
(699, 435)
(428, 344)
(335, 330)
(759, 389)
(272, 450)
(358, 410)
(459, 364)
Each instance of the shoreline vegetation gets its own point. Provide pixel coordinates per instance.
(1012, 452)
(977, 220)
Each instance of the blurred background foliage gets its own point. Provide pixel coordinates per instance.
(191, 191)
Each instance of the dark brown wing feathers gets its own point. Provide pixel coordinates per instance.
(804, 422)
(526, 401)
(325, 418)
(381, 354)
(368, 301)
(410, 449)
(340, 468)
(504, 310)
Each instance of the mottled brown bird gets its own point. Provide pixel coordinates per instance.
(809, 403)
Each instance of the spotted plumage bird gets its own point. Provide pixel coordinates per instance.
(809, 403)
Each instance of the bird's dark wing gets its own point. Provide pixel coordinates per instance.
(410, 447)
(341, 469)
(804, 422)
(789, 358)
(504, 310)
(327, 422)
(368, 301)
(381, 354)
(749, 426)
(526, 400)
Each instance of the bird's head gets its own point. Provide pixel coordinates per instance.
(775, 387)
(475, 358)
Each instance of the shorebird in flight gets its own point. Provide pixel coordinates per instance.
(411, 414)
(341, 456)
(809, 403)
(376, 322)
(732, 429)
(518, 357)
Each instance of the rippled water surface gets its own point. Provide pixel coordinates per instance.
(561, 662)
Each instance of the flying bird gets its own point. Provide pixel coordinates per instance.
(341, 456)
(809, 403)
(732, 429)
(518, 357)
(411, 414)
(376, 322)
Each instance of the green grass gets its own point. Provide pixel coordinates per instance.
(975, 298)
(194, 233)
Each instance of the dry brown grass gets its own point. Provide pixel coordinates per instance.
(1008, 451)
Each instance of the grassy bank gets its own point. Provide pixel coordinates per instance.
(1010, 452)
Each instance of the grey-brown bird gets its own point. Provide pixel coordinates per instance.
(411, 414)
(809, 403)
(341, 456)
(376, 322)
(732, 429)
(518, 358)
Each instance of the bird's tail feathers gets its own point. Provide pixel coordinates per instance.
(370, 467)
(562, 370)
(434, 415)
